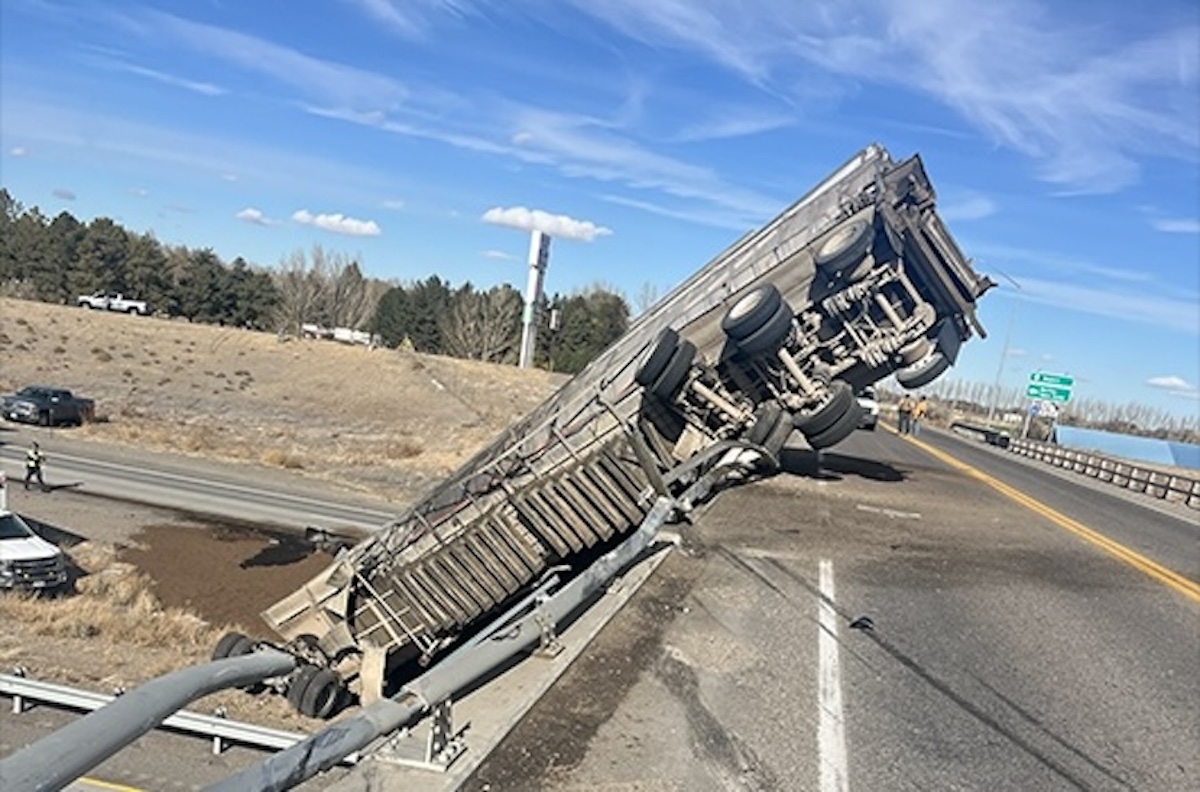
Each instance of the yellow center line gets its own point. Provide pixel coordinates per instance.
(108, 785)
(1167, 577)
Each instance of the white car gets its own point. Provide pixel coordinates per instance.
(27, 561)
(870, 409)
(113, 302)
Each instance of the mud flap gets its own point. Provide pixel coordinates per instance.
(371, 674)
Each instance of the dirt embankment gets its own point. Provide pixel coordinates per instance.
(380, 421)
(156, 589)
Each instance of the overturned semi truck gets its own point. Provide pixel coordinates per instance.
(857, 280)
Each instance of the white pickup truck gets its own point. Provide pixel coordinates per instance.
(113, 302)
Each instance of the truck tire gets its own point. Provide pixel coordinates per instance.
(842, 246)
(842, 428)
(913, 351)
(778, 438)
(771, 335)
(675, 371)
(321, 695)
(841, 399)
(657, 357)
(766, 417)
(751, 312)
(299, 684)
(227, 644)
(924, 371)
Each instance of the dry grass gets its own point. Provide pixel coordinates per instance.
(376, 420)
(113, 601)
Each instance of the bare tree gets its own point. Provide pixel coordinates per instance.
(299, 293)
(483, 325)
(647, 296)
(325, 288)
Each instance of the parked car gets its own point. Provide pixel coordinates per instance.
(113, 302)
(27, 561)
(870, 409)
(45, 406)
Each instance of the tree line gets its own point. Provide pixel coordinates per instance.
(1130, 418)
(56, 259)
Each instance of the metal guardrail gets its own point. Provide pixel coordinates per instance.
(1155, 483)
(223, 731)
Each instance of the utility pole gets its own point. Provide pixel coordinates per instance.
(539, 259)
(1012, 319)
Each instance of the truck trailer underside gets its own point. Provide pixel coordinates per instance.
(857, 280)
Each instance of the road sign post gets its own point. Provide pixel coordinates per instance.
(1054, 388)
(1047, 392)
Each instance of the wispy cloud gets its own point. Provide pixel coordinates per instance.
(1183, 225)
(559, 226)
(394, 204)
(88, 135)
(63, 194)
(1083, 106)
(734, 123)
(1005, 256)
(701, 215)
(18, 151)
(255, 217)
(196, 86)
(498, 255)
(411, 18)
(967, 207)
(314, 77)
(1120, 304)
(581, 146)
(337, 223)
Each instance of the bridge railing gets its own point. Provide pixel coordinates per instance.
(1155, 483)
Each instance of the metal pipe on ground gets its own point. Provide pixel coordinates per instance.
(59, 758)
(505, 640)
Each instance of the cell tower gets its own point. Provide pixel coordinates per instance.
(539, 259)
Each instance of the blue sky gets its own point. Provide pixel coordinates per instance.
(422, 135)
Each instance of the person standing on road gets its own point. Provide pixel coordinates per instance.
(34, 459)
(918, 412)
(904, 414)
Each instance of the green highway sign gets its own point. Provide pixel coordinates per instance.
(1042, 378)
(1050, 393)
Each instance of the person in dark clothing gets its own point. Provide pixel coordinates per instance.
(34, 459)
(904, 414)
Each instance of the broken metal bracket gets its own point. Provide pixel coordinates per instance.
(441, 747)
(549, 644)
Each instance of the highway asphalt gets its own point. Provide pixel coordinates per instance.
(191, 484)
(883, 620)
(1000, 651)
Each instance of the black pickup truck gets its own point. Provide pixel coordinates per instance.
(47, 406)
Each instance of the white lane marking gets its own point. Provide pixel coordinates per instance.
(831, 727)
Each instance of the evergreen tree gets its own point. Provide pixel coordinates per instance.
(428, 301)
(146, 274)
(202, 289)
(100, 261)
(391, 320)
